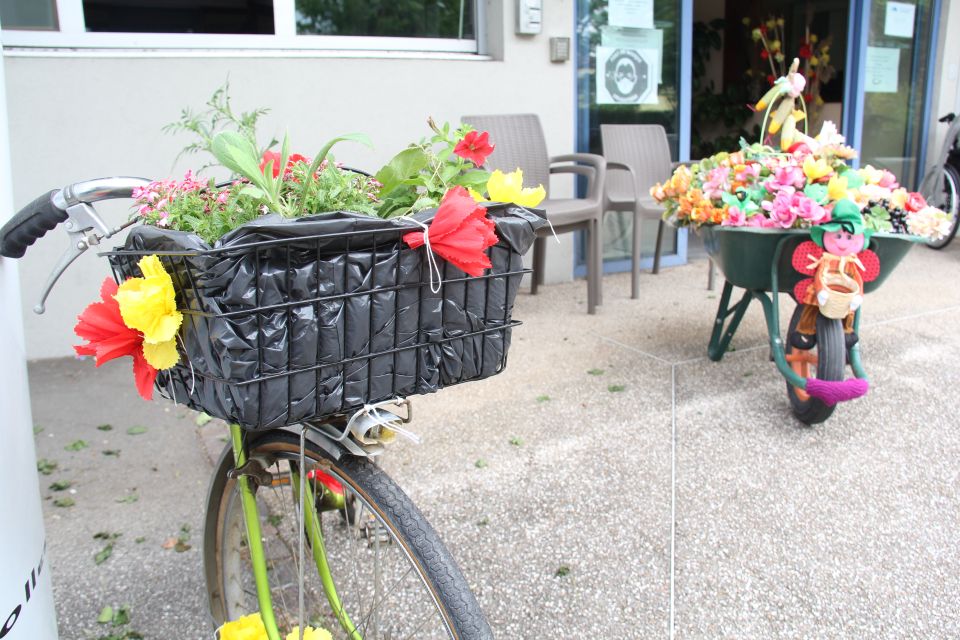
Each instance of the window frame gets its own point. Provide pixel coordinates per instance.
(72, 34)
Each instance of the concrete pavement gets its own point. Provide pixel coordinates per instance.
(681, 493)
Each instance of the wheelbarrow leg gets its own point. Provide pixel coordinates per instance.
(720, 338)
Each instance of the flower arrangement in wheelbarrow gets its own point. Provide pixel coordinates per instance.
(430, 217)
(754, 205)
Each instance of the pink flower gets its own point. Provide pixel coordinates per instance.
(749, 173)
(808, 209)
(717, 182)
(887, 180)
(785, 178)
(781, 209)
(735, 218)
(222, 197)
(915, 202)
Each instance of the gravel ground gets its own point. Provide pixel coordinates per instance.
(680, 493)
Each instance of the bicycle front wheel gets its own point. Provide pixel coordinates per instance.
(948, 199)
(391, 575)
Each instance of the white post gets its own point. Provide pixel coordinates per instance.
(26, 591)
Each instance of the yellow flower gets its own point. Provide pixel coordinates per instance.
(309, 634)
(508, 187)
(816, 169)
(162, 355)
(870, 174)
(479, 197)
(780, 22)
(898, 198)
(756, 34)
(246, 628)
(775, 45)
(814, 61)
(813, 38)
(148, 304)
(837, 188)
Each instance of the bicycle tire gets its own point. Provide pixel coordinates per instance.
(951, 198)
(831, 360)
(376, 498)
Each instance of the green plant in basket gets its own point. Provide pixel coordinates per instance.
(794, 186)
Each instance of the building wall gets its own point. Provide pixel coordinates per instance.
(946, 89)
(85, 114)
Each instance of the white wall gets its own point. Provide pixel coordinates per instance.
(79, 115)
(946, 90)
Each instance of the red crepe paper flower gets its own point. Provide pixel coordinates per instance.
(460, 233)
(102, 326)
(474, 147)
(764, 55)
(805, 51)
(275, 157)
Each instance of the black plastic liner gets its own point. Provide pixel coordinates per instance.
(292, 320)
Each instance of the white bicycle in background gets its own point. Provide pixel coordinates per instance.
(941, 182)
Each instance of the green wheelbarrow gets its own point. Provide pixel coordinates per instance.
(760, 261)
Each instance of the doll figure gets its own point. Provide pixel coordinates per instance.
(840, 263)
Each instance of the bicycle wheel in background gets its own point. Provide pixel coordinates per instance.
(948, 199)
(392, 574)
(825, 361)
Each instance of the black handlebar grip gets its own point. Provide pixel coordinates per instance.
(29, 225)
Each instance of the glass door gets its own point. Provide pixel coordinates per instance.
(650, 31)
(893, 82)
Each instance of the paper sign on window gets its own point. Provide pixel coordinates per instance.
(626, 76)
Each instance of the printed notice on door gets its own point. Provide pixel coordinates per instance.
(626, 76)
(898, 21)
(630, 13)
(882, 70)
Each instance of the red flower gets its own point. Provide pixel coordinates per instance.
(108, 337)
(764, 54)
(474, 147)
(460, 233)
(805, 51)
(771, 79)
(275, 157)
(763, 29)
(915, 202)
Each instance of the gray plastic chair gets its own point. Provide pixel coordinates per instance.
(519, 143)
(638, 156)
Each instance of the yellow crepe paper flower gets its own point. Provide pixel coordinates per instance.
(162, 355)
(816, 169)
(309, 634)
(246, 628)
(508, 187)
(837, 188)
(870, 174)
(898, 198)
(148, 304)
(479, 197)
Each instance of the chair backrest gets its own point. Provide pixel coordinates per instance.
(518, 143)
(642, 146)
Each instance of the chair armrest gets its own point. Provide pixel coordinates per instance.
(595, 179)
(619, 166)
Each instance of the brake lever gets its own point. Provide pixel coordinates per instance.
(85, 228)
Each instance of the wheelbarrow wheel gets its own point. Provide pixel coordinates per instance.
(825, 361)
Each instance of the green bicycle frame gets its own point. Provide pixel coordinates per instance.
(251, 517)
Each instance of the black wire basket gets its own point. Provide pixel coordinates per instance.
(293, 321)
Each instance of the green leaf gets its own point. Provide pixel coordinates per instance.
(76, 445)
(61, 485)
(562, 571)
(402, 166)
(105, 427)
(238, 154)
(202, 419)
(595, 372)
(37, 430)
(103, 555)
(64, 502)
(111, 452)
(46, 467)
(362, 138)
(816, 192)
(121, 617)
(476, 180)
(515, 441)
(128, 499)
(106, 615)
(139, 539)
(543, 398)
(616, 388)
(480, 463)
(250, 191)
(136, 430)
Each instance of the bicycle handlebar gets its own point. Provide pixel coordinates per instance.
(71, 205)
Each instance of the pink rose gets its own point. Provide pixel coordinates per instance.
(915, 201)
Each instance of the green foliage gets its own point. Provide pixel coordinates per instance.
(64, 502)
(136, 430)
(595, 372)
(616, 388)
(76, 445)
(218, 116)
(61, 485)
(46, 467)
